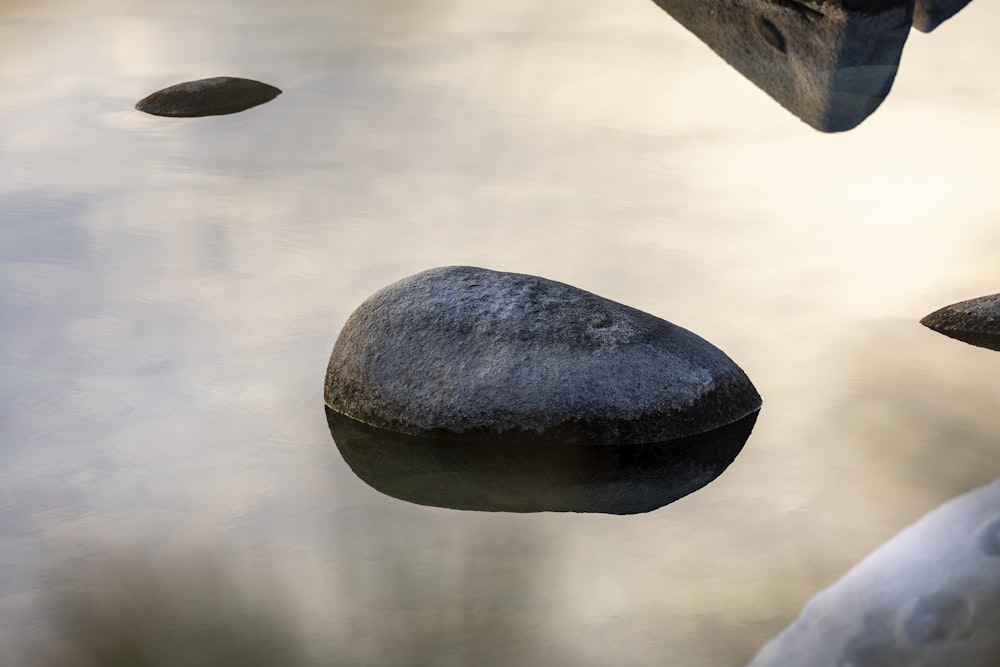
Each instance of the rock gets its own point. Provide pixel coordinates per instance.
(477, 389)
(976, 321)
(829, 62)
(208, 97)
(929, 14)
(929, 596)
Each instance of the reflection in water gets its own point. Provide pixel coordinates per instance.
(433, 596)
(533, 477)
(829, 63)
(134, 612)
(475, 604)
(172, 290)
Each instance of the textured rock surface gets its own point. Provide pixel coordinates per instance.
(929, 14)
(829, 62)
(474, 389)
(929, 596)
(976, 321)
(208, 97)
(475, 354)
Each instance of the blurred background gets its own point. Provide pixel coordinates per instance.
(170, 290)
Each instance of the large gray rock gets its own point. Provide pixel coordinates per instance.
(976, 321)
(472, 388)
(929, 596)
(829, 62)
(929, 14)
(208, 97)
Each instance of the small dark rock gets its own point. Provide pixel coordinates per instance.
(976, 321)
(208, 97)
(477, 389)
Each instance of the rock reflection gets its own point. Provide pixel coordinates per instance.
(829, 63)
(412, 593)
(523, 477)
(392, 597)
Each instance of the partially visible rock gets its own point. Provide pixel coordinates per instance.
(976, 321)
(534, 382)
(929, 596)
(829, 62)
(208, 97)
(929, 14)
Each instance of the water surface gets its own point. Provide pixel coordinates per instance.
(170, 290)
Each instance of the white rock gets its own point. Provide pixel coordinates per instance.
(928, 597)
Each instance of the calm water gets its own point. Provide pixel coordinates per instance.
(170, 290)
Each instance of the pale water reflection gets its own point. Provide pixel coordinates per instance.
(171, 290)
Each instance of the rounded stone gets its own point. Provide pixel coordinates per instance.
(208, 97)
(976, 321)
(471, 388)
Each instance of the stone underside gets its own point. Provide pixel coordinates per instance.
(929, 14)
(829, 62)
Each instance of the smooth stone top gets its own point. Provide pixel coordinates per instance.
(829, 62)
(976, 321)
(474, 354)
(208, 97)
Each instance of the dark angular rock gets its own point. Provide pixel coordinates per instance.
(976, 321)
(929, 14)
(208, 97)
(477, 389)
(829, 62)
